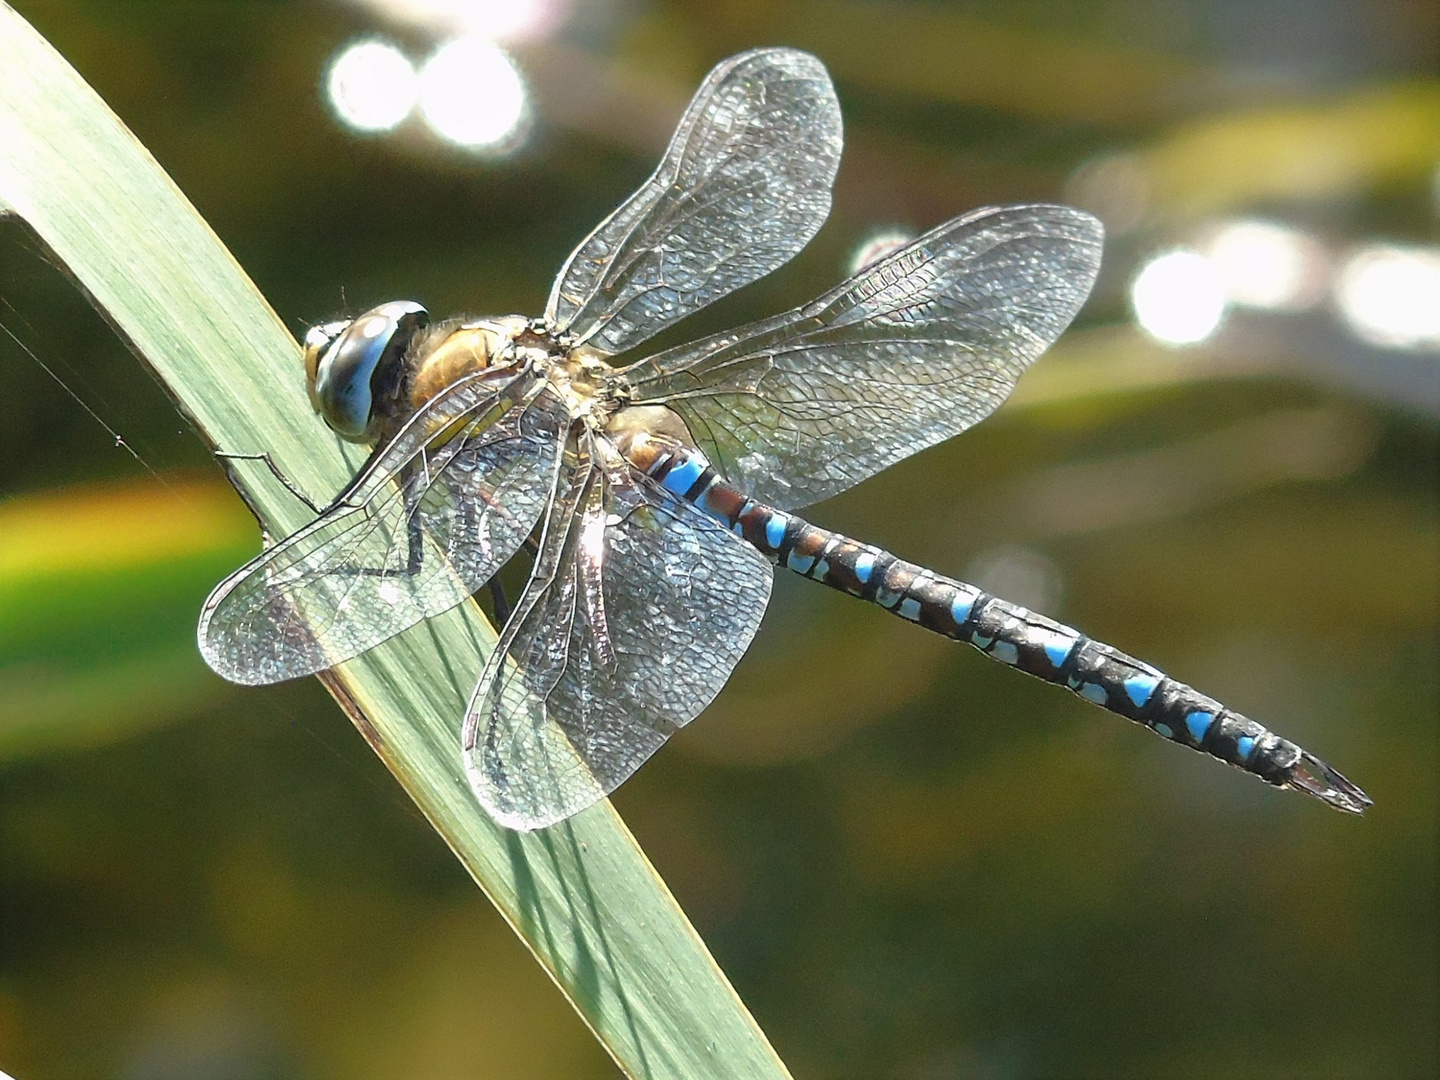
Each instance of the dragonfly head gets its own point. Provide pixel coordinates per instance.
(352, 366)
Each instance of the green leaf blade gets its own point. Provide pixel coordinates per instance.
(582, 895)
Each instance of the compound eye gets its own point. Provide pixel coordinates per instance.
(345, 362)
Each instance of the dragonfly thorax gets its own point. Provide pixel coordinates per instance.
(449, 351)
(642, 432)
(589, 386)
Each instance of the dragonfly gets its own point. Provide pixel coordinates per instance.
(655, 497)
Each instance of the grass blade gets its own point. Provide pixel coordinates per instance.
(581, 895)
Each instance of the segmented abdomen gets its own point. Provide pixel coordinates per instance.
(1006, 632)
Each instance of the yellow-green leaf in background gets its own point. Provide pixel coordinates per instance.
(98, 586)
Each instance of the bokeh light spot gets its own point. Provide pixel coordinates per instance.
(498, 20)
(472, 95)
(1021, 575)
(1390, 296)
(1179, 297)
(1115, 188)
(876, 246)
(1269, 266)
(371, 86)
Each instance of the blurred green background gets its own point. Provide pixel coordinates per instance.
(912, 862)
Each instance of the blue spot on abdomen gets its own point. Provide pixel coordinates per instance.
(1199, 724)
(1095, 692)
(1140, 688)
(864, 564)
(775, 530)
(682, 478)
(1058, 650)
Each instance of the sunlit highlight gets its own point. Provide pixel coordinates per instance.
(498, 20)
(876, 246)
(1179, 298)
(1269, 266)
(371, 86)
(472, 95)
(1390, 296)
(592, 539)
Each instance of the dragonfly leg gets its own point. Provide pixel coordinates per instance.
(414, 534)
(414, 537)
(275, 471)
(502, 604)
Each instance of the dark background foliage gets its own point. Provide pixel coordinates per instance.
(912, 862)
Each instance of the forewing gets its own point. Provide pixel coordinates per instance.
(743, 186)
(438, 511)
(910, 351)
(583, 689)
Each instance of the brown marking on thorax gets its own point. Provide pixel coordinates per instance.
(467, 350)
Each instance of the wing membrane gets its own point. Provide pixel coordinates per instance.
(910, 351)
(744, 185)
(639, 608)
(438, 511)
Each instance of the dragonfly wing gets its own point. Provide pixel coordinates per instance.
(910, 351)
(639, 608)
(744, 185)
(433, 516)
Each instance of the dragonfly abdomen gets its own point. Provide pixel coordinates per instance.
(1013, 635)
